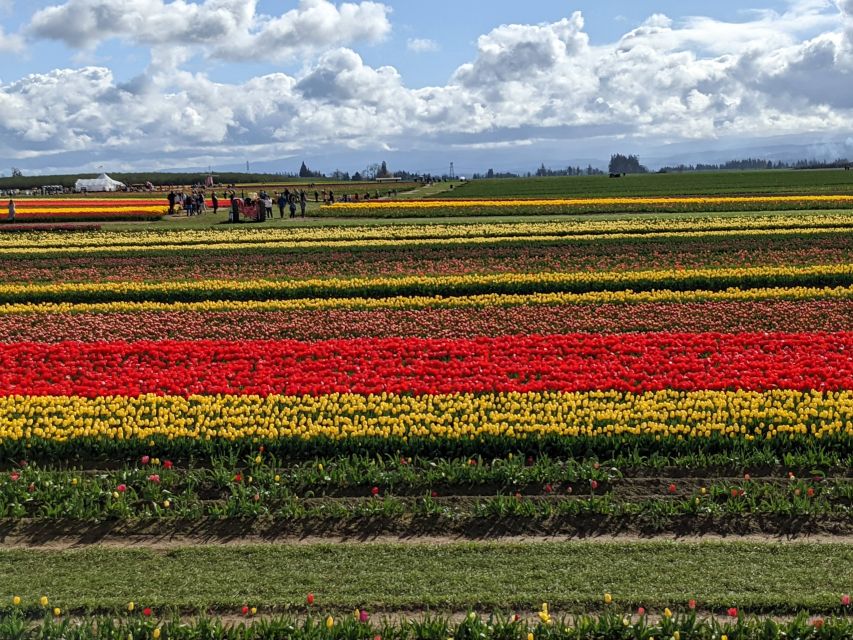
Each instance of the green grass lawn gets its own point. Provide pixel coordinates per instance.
(767, 577)
(830, 181)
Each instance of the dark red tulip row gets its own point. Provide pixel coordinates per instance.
(577, 362)
(328, 324)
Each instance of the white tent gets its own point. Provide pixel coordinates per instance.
(102, 183)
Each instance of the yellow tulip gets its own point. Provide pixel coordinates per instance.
(330, 622)
(156, 633)
(57, 611)
(43, 601)
(667, 613)
(131, 606)
(16, 600)
(608, 599)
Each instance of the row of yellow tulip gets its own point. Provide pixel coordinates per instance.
(390, 286)
(570, 202)
(439, 302)
(575, 226)
(698, 414)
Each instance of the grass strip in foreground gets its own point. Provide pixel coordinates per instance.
(767, 577)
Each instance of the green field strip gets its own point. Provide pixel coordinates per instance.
(571, 576)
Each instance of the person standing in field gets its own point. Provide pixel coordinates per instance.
(215, 202)
(303, 202)
(171, 198)
(293, 205)
(282, 203)
(11, 210)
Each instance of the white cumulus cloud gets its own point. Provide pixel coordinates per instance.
(663, 81)
(422, 45)
(229, 29)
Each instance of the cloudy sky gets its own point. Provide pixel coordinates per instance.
(158, 84)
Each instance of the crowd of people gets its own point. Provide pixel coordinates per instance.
(195, 202)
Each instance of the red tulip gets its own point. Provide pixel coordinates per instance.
(641, 611)
(155, 478)
(121, 488)
(374, 491)
(593, 484)
(245, 610)
(817, 623)
(14, 476)
(362, 616)
(146, 459)
(845, 600)
(691, 604)
(310, 599)
(548, 488)
(810, 492)
(167, 464)
(672, 488)
(238, 478)
(146, 611)
(732, 612)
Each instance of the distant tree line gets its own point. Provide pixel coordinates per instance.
(756, 164)
(373, 171)
(625, 164)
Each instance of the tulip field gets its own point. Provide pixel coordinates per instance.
(431, 429)
(85, 209)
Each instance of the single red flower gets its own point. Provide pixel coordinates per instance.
(121, 488)
(167, 464)
(310, 599)
(672, 488)
(817, 623)
(238, 477)
(593, 484)
(810, 492)
(548, 488)
(434, 494)
(845, 600)
(245, 610)
(374, 491)
(363, 617)
(146, 612)
(641, 611)
(155, 478)
(146, 459)
(14, 476)
(732, 612)
(691, 604)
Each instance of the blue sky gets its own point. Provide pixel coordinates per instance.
(515, 82)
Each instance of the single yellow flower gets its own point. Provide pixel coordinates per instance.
(724, 637)
(608, 599)
(667, 613)
(330, 622)
(257, 459)
(253, 610)
(530, 636)
(131, 606)
(57, 611)
(16, 600)
(166, 504)
(156, 633)
(676, 635)
(43, 601)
